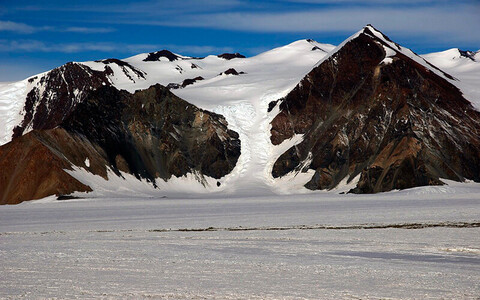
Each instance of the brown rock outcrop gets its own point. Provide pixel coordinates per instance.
(33, 170)
(396, 123)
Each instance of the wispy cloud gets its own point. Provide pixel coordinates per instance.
(86, 29)
(155, 7)
(16, 27)
(435, 18)
(363, 2)
(39, 46)
(23, 28)
(438, 22)
(438, 19)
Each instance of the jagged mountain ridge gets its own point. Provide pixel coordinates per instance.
(68, 84)
(243, 97)
(135, 74)
(375, 111)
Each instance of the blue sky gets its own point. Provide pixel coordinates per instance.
(36, 36)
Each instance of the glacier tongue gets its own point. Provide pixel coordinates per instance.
(244, 100)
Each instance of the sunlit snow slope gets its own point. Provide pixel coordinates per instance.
(464, 66)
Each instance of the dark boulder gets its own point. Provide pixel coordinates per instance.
(229, 56)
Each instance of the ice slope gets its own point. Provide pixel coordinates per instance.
(465, 69)
(12, 100)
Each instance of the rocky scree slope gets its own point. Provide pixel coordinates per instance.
(376, 110)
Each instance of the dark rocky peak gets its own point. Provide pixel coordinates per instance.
(315, 45)
(468, 54)
(114, 61)
(126, 68)
(185, 83)
(155, 56)
(54, 95)
(373, 109)
(374, 33)
(229, 56)
(173, 86)
(231, 71)
(398, 50)
(190, 81)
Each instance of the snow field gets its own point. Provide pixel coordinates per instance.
(238, 248)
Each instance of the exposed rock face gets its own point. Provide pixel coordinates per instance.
(56, 95)
(155, 56)
(126, 68)
(33, 170)
(229, 56)
(370, 110)
(186, 82)
(232, 71)
(469, 54)
(150, 134)
(156, 133)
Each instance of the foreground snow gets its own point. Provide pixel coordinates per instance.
(421, 243)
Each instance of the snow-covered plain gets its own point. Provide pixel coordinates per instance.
(422, 243)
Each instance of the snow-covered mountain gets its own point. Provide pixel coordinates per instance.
(250, 93)
(378, 116)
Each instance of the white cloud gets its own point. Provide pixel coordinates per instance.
(437, 19)
(23, 28)
(87, 29)
(39, 46)
(439, 22)
(363, 2)
(151, 7)
(16, 27)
